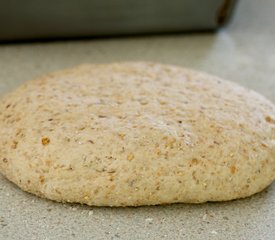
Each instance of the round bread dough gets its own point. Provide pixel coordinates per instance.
(131, 134)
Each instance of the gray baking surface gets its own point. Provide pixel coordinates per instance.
(243, 52)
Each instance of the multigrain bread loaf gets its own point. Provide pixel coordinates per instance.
(131, 134)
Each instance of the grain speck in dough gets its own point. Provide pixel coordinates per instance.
(131, 134)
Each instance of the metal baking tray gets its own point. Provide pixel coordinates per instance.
(39, 19)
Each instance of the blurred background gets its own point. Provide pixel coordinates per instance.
(231, 39)
(40, 19)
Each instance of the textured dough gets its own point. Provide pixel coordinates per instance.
(131, 134)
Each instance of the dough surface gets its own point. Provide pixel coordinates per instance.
(137, 133)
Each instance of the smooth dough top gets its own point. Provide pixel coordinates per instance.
(131, 134)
